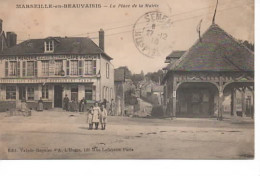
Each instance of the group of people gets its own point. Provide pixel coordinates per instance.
(81, 106)
(97, 115)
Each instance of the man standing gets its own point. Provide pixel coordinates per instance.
(66, 103)
(82, 104)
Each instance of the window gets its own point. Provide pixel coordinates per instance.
(45, 92)
(30, 93)
(74, 67)
(24, 68)
(30, 68)
(49, 46)
(45, 68)
(74, 93)
(88, 67)
(88, 93)
(107, 70)
(58, 67)
(10, 92)
(13, 68)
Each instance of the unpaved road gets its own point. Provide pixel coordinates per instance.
(63, 135)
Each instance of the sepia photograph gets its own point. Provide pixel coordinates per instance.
(127, 79)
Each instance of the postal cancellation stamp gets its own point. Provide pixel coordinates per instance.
(151, 34)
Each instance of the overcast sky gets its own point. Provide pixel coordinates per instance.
(234, 16)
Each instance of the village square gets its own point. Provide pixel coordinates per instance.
(61, 97)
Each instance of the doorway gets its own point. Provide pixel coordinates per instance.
(58, 96)
(22, 93)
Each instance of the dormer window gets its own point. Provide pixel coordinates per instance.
(49, 46)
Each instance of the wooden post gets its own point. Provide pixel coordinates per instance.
(233, 102)
(174, 98)
(220, 99)
(243, 99)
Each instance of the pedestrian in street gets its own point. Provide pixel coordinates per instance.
(103, 117)
(66, 102)
(105, 102)
(40, 105)
(96, 115)
(90, 118)
(81, 105)
(112, 107)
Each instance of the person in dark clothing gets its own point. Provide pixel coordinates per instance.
(81, 105)
(40, 105)
(66, 103)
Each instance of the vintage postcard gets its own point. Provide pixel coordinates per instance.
(127, 79)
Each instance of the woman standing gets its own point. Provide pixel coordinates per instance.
(90, 118)
(40, 105)
(96, 114)
(103, 117)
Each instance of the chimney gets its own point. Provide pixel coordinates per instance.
(1, 25)
(11, 39)
(101, 39)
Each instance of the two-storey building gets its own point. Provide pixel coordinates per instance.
(53, 67)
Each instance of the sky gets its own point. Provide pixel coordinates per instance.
(234, 16)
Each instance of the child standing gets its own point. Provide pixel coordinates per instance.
(103, 117)
(90, 118)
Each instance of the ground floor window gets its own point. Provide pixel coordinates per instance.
(74, 93)
(10, 92)
(88, 93)
(45, 92)
(30, 93)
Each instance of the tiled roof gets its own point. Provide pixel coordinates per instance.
(66, 45)
(217, 51)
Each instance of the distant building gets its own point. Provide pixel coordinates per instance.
(122, 81)
(54, 67)
(199, 82)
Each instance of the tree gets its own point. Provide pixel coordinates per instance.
(155, 76)
(249, 45)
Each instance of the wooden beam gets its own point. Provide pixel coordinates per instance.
(243, 99)
(233, 102)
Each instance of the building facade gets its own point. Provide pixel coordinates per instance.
(53, 67)
(216, 71)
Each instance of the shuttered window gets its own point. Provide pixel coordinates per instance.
(18, 68)
(94, 67)
(6, 68)
(35, 68)
(24, 68)
(88, 67)
(80, 67)
(68, 67)
(30, 68)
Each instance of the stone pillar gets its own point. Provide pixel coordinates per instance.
(233, 102)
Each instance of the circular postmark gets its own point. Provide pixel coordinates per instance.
(152, 34)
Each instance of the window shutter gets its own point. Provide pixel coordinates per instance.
(35, 68)
(94, 67)
(24, 68)
(6, 68)
(80, 67)
(18, 68)
(68, 67)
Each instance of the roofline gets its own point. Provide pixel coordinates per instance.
(198, 40)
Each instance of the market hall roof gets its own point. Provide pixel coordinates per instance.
(62, 46)
(216, 51)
